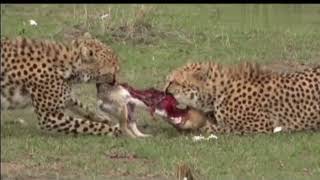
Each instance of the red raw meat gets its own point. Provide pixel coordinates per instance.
(156, 99)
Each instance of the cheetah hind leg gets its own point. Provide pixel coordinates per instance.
(131, 121)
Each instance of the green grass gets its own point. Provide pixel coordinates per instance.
(178, 34)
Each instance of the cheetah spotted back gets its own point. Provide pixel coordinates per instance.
(246, 99)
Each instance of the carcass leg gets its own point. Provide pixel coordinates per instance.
(132, 121)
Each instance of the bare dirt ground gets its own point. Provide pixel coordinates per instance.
(15, 171)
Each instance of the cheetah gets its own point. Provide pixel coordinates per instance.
(41, 73)
(245, 99)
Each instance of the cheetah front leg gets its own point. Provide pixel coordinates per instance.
(210, 128)
(52, 118)
(59, 122)
(50, 108)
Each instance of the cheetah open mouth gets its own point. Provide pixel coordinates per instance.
(160, 103)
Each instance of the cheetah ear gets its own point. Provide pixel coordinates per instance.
(75, 43)
(87, 35)
(174, 77)
(178, 76)
(84, 51)
(201, 73)
(86, 55)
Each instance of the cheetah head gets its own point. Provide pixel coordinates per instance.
(187, 84)
(99, 63)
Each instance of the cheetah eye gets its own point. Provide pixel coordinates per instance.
(197, 77)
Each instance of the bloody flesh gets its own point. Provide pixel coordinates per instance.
(156, 99)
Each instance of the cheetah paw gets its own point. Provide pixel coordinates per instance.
(277, 129)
